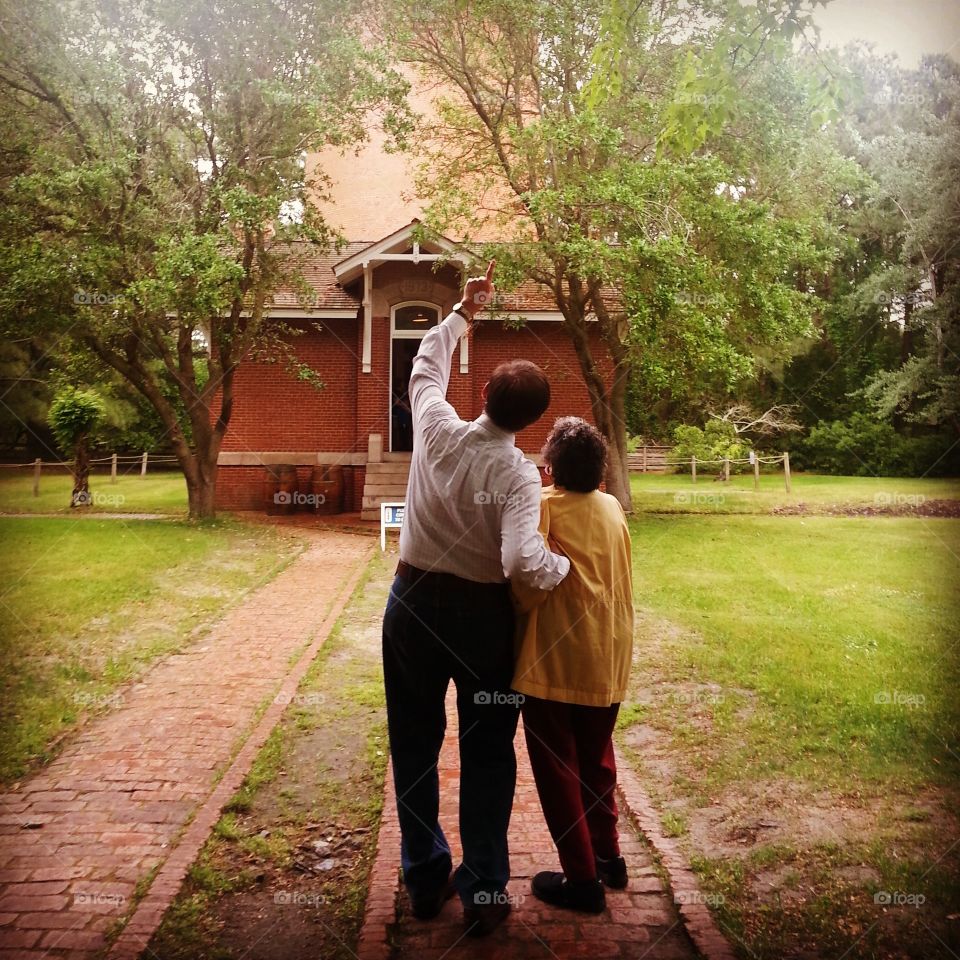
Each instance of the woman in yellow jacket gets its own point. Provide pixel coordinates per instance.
(573, 665)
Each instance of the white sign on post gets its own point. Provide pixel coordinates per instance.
(391, 518)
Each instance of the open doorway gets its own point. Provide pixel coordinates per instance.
(409, 324)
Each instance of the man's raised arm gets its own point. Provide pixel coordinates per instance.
(431, 366)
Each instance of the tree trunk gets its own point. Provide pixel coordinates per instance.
(201, 476)
(81, 474)
(618, 472)
(608, 406)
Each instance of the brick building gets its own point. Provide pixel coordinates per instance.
(373, 302)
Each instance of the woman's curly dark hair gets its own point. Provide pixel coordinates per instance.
(576, 452)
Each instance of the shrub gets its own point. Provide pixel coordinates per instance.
(73, 415)
(862, 446)
(715, 441)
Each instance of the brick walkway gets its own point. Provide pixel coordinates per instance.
(640, 922)
(76, 838)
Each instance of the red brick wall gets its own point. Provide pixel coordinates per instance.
(373, 388)
(240, 488)
(546, 344)
(274, 411)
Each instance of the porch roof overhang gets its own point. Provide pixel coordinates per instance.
(394, 247)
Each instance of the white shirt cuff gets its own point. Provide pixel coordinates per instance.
(457, 323)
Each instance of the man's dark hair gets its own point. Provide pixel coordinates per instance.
(517, 395)
(576, 452)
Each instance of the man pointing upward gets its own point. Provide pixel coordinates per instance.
(472, 512)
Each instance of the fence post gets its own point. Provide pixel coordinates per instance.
(693, 469)
(143, 464)
(726, 469)
(113, 468)
(756, 471)
(37, 464)
(644, 469)
(786, 469)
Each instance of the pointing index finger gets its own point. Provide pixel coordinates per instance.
(490, 267)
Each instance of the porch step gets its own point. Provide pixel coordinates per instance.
(386, 482)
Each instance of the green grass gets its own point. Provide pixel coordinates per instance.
(814, 661)
(842, 628)
(155, 493)
(86, 606)
(675, 493)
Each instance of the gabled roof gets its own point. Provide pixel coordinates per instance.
(332, 278)
(399, 242)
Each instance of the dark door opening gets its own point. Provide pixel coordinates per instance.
(401, 419)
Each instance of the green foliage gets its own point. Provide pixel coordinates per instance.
(154, 193)
(657, 168)
(717, 440)
(863, 446)
(73, 415)
(889, 338)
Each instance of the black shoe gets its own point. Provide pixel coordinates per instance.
(427, 905)
(612, 872)
(483, 919)
(587, 896)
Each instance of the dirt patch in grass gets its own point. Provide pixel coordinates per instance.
(794, 868)
(920, 508)
(285, 874)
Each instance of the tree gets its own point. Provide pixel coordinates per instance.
(153, 186)
(915, 161)
(619, 149)
(889, 336)
(73, 416)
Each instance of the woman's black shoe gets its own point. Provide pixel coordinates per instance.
(587, 896)
(612, 872)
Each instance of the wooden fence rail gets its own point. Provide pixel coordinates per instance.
(649, 459)
(115, 460)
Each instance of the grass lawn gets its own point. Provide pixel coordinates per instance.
(86, 606)
(676, 493)
(794, 712)
(155, 493)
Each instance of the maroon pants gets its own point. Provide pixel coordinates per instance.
(571, 753)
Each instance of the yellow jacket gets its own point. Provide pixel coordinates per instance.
(577, 642)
